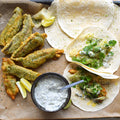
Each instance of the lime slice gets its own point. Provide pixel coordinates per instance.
(27, 85)
(48, 22)
(42, 14)
(68, 105)
(22, 89)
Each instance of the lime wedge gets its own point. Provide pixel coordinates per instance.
(27, 85)
(68, 105)
(48, 22)
(22, 89)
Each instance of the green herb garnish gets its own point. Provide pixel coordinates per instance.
(112, 43)
(95, 52)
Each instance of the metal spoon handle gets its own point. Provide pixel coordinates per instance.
(71, 85)
(48, 2)
(116, 2)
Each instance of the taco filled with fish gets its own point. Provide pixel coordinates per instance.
(94, 93)
(97, 50)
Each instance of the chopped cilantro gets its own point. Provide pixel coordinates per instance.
(95, 52)
(112, 42)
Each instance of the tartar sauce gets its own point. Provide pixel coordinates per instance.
(47, 94)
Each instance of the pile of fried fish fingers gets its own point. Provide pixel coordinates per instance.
(24, 47)
(12, 27)
(21, 36)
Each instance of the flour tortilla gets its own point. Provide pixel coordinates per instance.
(87, 104)
(115, 26)
(75, 15)
(79, 43)
(56, 37)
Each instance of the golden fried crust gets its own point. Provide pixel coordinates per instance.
(12, 27)
(8, 61)
(30, 44)
(9, 67)
(5, 63)
(37, 58)
(21, 36)
(44, 35)
(10, 85)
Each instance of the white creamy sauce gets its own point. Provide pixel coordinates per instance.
(106, 61)
(91, 54)
(48, 95)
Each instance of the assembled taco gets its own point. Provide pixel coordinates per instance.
(97, 50)
(95, 93)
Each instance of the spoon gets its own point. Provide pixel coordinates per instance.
(71, 85)
(48, 2)
(66, 87)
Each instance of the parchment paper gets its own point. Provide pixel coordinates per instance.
(24, 108)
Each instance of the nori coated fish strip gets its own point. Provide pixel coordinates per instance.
(21, 36)
(31, 43)
(37, 58)
(12, 27)
(8, 66)
(10, 85)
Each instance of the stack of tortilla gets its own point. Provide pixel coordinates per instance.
(74, 19)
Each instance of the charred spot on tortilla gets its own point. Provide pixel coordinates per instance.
(9, 67)
(30, 44)
(37, 58)
(13, 26)
(21, 36)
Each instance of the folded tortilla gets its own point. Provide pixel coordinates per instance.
(56, 37)
(75, 15)
(115, 25)
(80, 42)
(111, 86)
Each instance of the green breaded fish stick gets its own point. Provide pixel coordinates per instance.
(12, 27)
(10, 85)
(21, 36)
(37, 58)
(9, 67)
(31, 43)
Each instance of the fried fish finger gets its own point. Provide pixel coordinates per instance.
(21, 36)
(11, 68)
(10, 85)
(31, 43)
(12, 27)
(37, 58)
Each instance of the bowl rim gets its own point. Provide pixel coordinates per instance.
(38, 79)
